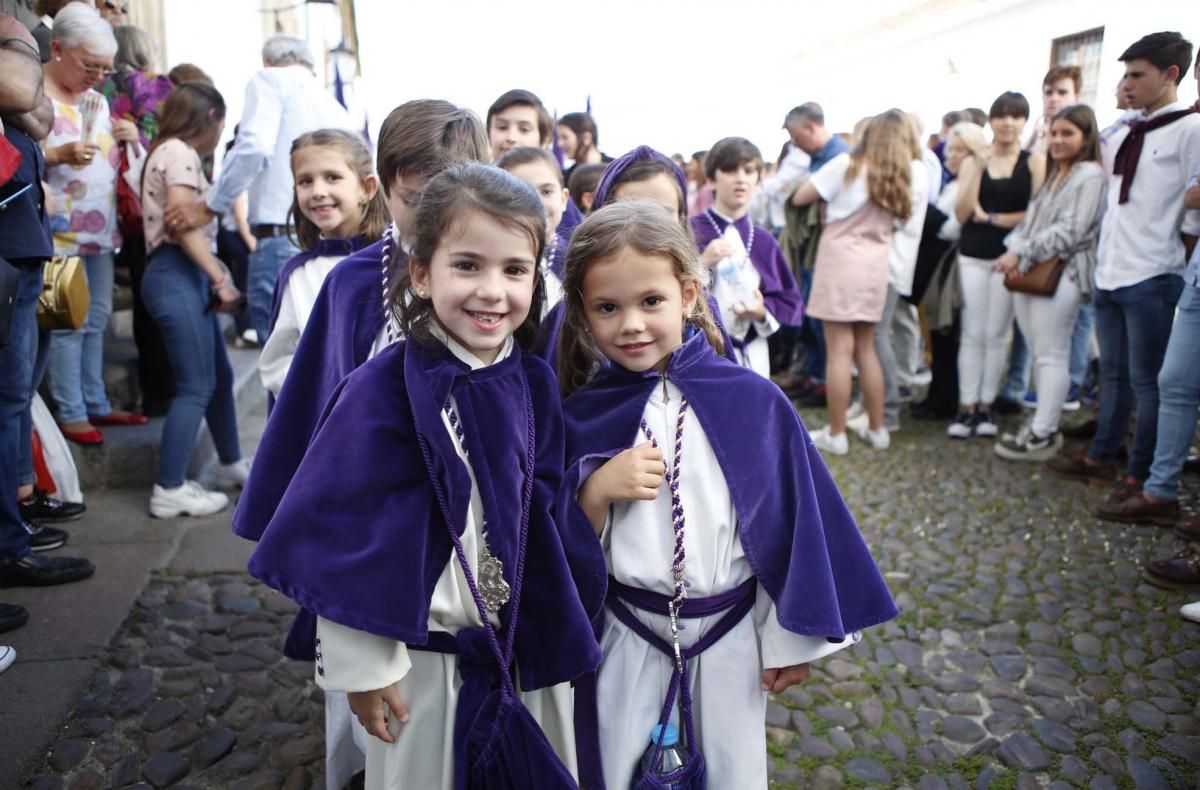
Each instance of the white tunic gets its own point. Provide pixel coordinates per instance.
(295, 306)
(423, 752)
(735, 279)
(729, 704)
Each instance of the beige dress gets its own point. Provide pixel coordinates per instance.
(850, 277)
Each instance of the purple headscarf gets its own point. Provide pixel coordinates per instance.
(643, 153)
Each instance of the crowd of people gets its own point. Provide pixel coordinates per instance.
(486, 307)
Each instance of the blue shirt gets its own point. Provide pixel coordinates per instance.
(834, 147)
(24, 235)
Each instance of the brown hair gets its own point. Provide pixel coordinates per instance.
(188, 72)
(888, 147)
(425, 136)
(375, 215)
(522, 98)
(1060, 72)
(1082, 117)
(526, 155)
(651, 230)
(448, 195)
(729, 154)
(584, 178)
(190, 109)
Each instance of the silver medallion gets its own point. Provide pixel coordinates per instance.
(493, 589)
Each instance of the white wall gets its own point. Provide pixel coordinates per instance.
(994, 46)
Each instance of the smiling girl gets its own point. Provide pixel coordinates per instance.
(744, 567)
(337, 209)
(435, 568)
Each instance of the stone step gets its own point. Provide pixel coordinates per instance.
(129, 455)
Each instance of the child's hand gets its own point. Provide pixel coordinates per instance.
(714, 252)
(751, 309)
(371, 708)
(777, 680)
(636, 473)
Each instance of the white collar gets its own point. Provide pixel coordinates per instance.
(1172, 107)
(463, 354)
(730, 220)
(48, 21)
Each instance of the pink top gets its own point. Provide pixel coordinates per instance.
(174, 163)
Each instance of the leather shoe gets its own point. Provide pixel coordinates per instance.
(1181, 572)
(12, 616)
(34, 570)
(41, 508)
(1085, 430)
(1189, 529)
(1136, 509)
(124, 418)
(86, 438)
(1076, 468)
(1006, 406)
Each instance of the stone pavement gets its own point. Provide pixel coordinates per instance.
(1029, 653)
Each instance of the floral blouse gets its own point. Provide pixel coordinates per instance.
(85, 197)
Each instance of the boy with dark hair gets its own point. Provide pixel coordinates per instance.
(1145, 240)
(752, 282)
(517, 119)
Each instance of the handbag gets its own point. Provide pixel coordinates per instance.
(1041, 279)
(65, 297)
(129, 203)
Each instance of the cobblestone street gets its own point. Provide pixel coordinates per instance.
(1029, 654)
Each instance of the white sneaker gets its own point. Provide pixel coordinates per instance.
(880, 438)
(861, 425)
(189, 499)
(250, 337)
(7, 657)
(827, 442)
(855, 411)
(1191, 611)
(233, 475)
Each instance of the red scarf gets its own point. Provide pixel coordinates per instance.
(1125, 165)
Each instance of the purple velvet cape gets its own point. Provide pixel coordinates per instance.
(341, 329)
(799, 537)
(781, 294)
(326, 248)
(367, 551)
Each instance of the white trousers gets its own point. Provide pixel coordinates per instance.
(1048, 323)
(987, 313)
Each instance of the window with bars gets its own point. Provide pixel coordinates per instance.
(1082, 50)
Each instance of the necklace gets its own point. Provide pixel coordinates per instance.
(678, 559)
(708, 215)
(493, 588)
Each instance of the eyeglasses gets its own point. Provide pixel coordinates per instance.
(120, 8)
(91, 68)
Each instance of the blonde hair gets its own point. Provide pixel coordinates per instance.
(888, 148)
(971, 135)
(647, 228)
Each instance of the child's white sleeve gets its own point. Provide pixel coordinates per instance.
(280, 348)
(768, 326)
(782, 648)
(352, 660)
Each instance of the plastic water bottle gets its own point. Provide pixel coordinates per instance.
(670, 756)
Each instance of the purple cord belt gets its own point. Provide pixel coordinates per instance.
(734, 604)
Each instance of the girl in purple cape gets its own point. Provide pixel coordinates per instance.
(729, 579)
(435, 568)
(641, 174)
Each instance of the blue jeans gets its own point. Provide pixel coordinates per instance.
(176, 293)
(265, 262)
(1179, 397)
(1020, 365)
(811, 334)
(16, 388)
(77, 355)
(1081, 340)
(1133, 325)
